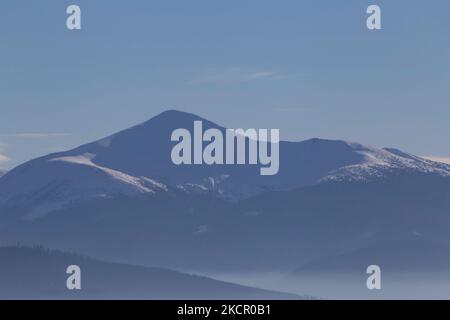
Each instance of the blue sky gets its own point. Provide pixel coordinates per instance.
(310, 68)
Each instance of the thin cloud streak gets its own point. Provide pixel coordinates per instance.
(34, 135)
(239, 75)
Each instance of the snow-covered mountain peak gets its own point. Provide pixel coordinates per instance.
(137, 162)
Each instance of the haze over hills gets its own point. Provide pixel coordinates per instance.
(37, 273)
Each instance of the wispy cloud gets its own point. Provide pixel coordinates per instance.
(438, 159)
(237, 75)
(34, 135)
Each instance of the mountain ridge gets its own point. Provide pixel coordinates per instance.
(136, 162)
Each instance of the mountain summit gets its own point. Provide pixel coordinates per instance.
(136, 162)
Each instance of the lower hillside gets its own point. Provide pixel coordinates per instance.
(37, 273)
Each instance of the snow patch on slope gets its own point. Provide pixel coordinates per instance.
(86, 160)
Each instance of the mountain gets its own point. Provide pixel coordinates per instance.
(2, 173)
(136, 163)
(37, 273)
(273, 232)
(121, 199)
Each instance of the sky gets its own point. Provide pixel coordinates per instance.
(310, 68)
